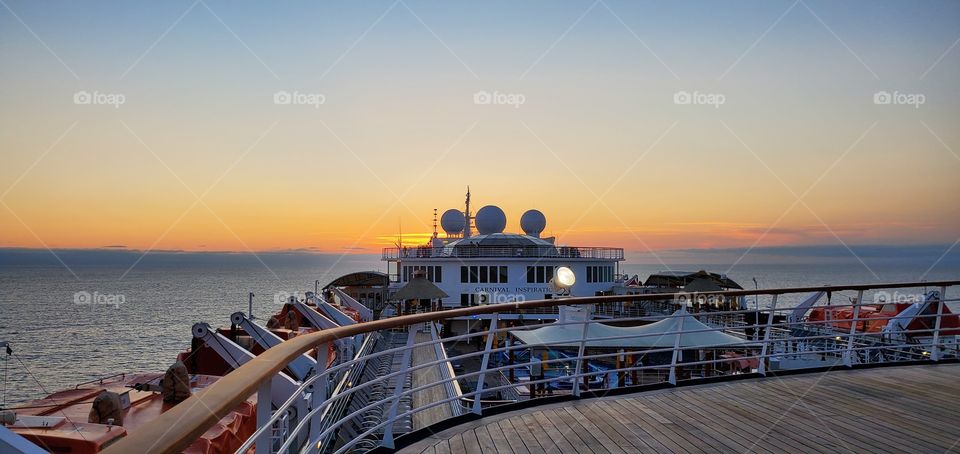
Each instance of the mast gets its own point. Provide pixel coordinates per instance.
(467, 217)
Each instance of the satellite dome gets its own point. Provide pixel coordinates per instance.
(533, 222)
(453, 221)
(490, 219)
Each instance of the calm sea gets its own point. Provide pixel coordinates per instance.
(141, 320)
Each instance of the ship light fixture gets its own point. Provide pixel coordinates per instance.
(563, 279)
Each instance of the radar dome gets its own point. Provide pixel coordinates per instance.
(533, 222)
(452, 221)
(490, 219)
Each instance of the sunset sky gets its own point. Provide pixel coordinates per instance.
(200, 156)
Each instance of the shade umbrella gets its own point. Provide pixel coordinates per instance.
(418, 289)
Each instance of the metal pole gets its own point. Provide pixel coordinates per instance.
(621, 375)
(320, 388)
(676, 349)
(583, 345)
(756, 298)
(762, 367)
(264, 444)
(477, 408)
(935, 350)
(848, 355)
(510, 360)
(250, 306)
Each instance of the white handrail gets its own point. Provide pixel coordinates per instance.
(791, 343)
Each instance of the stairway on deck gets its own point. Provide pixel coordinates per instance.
(421, 355)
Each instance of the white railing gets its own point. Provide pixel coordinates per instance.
(589, 358)
(472, 251)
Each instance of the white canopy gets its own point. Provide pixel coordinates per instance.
(661, 334)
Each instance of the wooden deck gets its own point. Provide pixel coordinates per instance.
(422, 355)
(887, 409)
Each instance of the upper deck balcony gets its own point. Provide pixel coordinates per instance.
(560, 252)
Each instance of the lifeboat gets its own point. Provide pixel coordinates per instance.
(58, 422)
(915, 320)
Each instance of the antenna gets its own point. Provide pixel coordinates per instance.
(466, 216)
(434, 222)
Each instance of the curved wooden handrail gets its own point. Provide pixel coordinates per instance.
(177, 428)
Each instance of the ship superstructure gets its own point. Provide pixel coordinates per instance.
(492, 266)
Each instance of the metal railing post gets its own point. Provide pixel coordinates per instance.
(264, 399)
(580, 352)
(401, 379)
(320, 387)
(848, 354)
(477, 408)
(676, 348)
(762, 367)
(935, 349)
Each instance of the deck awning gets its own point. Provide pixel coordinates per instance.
(702, 285)
(419, 288)
(661, 334)
(678, 279)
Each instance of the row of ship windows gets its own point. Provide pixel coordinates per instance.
(599, 274)
(498, 274)
(484, 274)
(434, 273)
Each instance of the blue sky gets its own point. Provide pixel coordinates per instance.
(401, 133)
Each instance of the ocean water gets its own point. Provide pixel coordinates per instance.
(140, 320)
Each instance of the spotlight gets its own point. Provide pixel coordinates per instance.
(563, 279)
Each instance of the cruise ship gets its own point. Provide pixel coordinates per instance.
(487, 341)
(476, 262)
